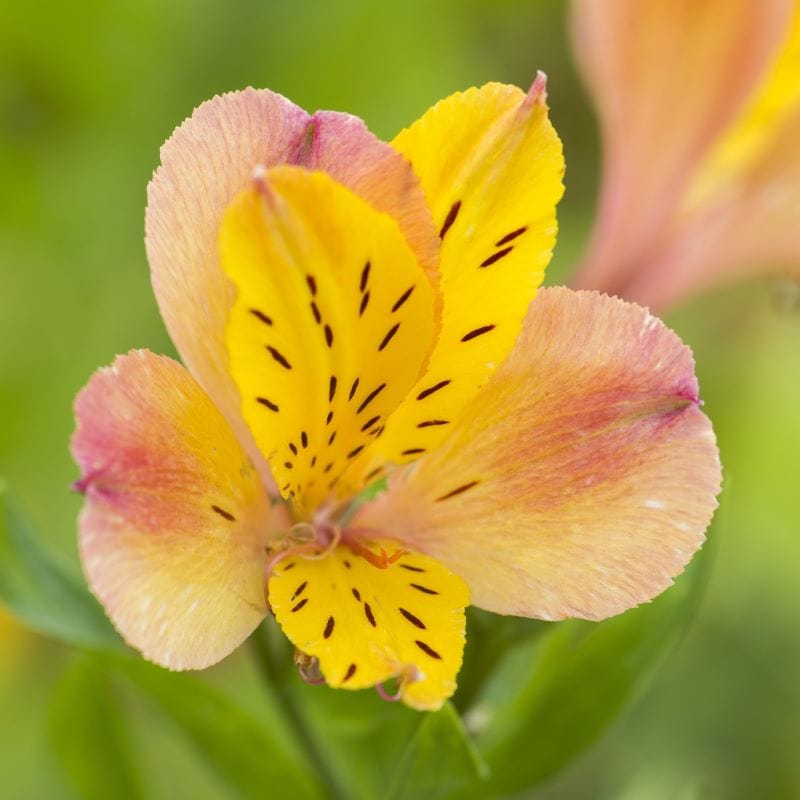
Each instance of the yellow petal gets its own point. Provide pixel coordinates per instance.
(667, 78)
(491, 165)
(207, 161)
(175, 524)
(367, 624)
(580, 480)
(330, 328)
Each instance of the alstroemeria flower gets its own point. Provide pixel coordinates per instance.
(352, 320)
(699, 107)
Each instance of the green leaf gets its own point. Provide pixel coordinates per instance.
(552, 695)
(372, 748)
(42, 592)
(489, 638)
(439, 760)
(256, 756)
(358, 736)
(89, 736)
(354, 736)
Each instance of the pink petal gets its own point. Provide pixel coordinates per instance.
(345, 149)
(581, 479)
(175, 523)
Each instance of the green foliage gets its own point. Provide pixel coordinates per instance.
(249, 753)
(356, 735)
(254, 755)
(538, 696)
(439, 760)
(552, 695)
(89, 736)
(41, 591)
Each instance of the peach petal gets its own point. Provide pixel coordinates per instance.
(206, 161)
(345, 149)
(667, 77)
(581, 479)
(173, 530)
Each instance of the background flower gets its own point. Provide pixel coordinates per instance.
(699, 111)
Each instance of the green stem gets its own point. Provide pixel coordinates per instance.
(269, 670)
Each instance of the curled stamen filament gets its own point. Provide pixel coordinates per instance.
(308, 669)
(406, 675)
(334, 533)
(384, 695)
(331, 535)
(302, 533)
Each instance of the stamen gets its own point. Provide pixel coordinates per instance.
(307, 539)
(259, 177)
(407, 674)
(302, 533)
(384, 695)
(334, 535)
(382, 560)
(308, 668)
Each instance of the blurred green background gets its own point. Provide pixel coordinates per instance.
(89, 91)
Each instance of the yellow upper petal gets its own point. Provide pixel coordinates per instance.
(207, 161)
(491, 166)
(330, 328)
(367, 624)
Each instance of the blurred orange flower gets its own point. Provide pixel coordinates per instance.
(699, 108)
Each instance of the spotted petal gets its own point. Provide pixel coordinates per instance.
(582, 478)
(491, 167)
(206, 162)
(175, 523)
(332, 323)
(367, 624)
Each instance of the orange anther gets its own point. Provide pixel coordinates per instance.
(382, 560)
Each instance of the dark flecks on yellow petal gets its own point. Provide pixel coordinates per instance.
(367, 620)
